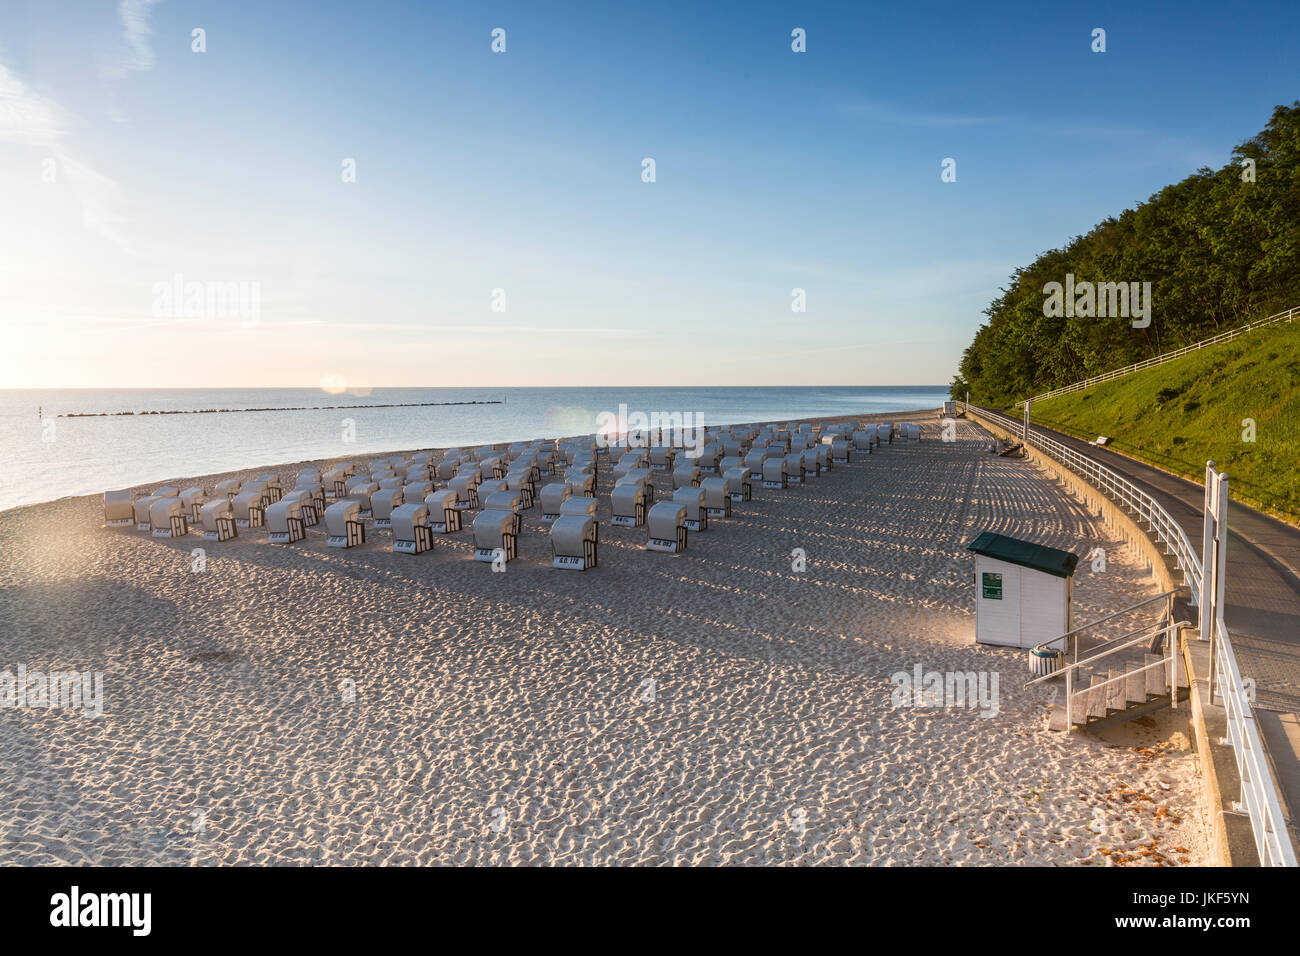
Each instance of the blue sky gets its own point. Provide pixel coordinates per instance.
(522, 171)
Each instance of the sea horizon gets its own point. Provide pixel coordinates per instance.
(69, 442)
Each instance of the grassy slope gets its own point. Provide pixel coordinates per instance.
(1179, 414)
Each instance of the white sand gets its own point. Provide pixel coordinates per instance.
(507, 718)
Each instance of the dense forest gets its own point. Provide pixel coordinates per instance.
(1220, 249)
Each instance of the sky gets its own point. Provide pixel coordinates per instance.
(500, 228)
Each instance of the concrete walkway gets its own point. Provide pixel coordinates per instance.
(1262, 603)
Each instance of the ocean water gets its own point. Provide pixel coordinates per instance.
(46, 456)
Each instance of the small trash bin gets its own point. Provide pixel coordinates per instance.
(1045, 660)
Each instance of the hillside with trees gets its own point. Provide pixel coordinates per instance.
(1221, 248)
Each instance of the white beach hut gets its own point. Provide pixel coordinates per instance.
(1023, 591)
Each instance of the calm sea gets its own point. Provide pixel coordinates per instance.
(47, 457)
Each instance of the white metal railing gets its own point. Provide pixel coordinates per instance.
(1155, 360)
(1258, 796)
(1258, 793)
(1141, 636)
(1166, 531)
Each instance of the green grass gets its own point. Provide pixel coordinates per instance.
(1177, 415)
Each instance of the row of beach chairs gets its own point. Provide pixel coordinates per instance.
(416, 498)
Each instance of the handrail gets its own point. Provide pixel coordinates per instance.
(1272, 842)
(1132, 607)
(1165, 529)
(1161, 359)
(1140, 631)
(1110, 649)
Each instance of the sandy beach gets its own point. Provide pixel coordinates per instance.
(303, 705)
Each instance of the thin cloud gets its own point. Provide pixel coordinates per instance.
(872, 109)
(30, 119)
(484, 327)
(136, 54)
(27, 118)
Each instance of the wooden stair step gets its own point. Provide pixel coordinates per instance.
(1096, 701)
(1156, 681)
(1135, 687)
(1115, 692)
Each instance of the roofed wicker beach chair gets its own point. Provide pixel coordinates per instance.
(218, 520)
(444, 516)
(552, 496)
(731, 461)
(794, 473)
(629, 460)
(271, 486)
(506, 498)
(141, 509)
(707, 459)
(335, 481)
(823, 453)
(343, 524)
(495, 538)
(578, 506)
(311, 498)
(629, 498)
(363, 491)
(395, 481)
(168, 518)
(525, 469)
(193, 497)
(465, 484)
(812, 467)
(582, 483)
(545, 460)
(686, 476)
(667, 526)
(416, 490)
(697, 515)
(411, 531)
(841, 451)
(886, 432)
(490, 486)
(573, 542)
(119, 510)
(523, 485)
(754, 460)
(447, 469)
(250, 508)
(716, 500)
(646, 475)
(774, 473)
(284, 521)
(662, 457)
(355, 481)
(740, 486)
(732, 448)
(863, 439)
(382, 504)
